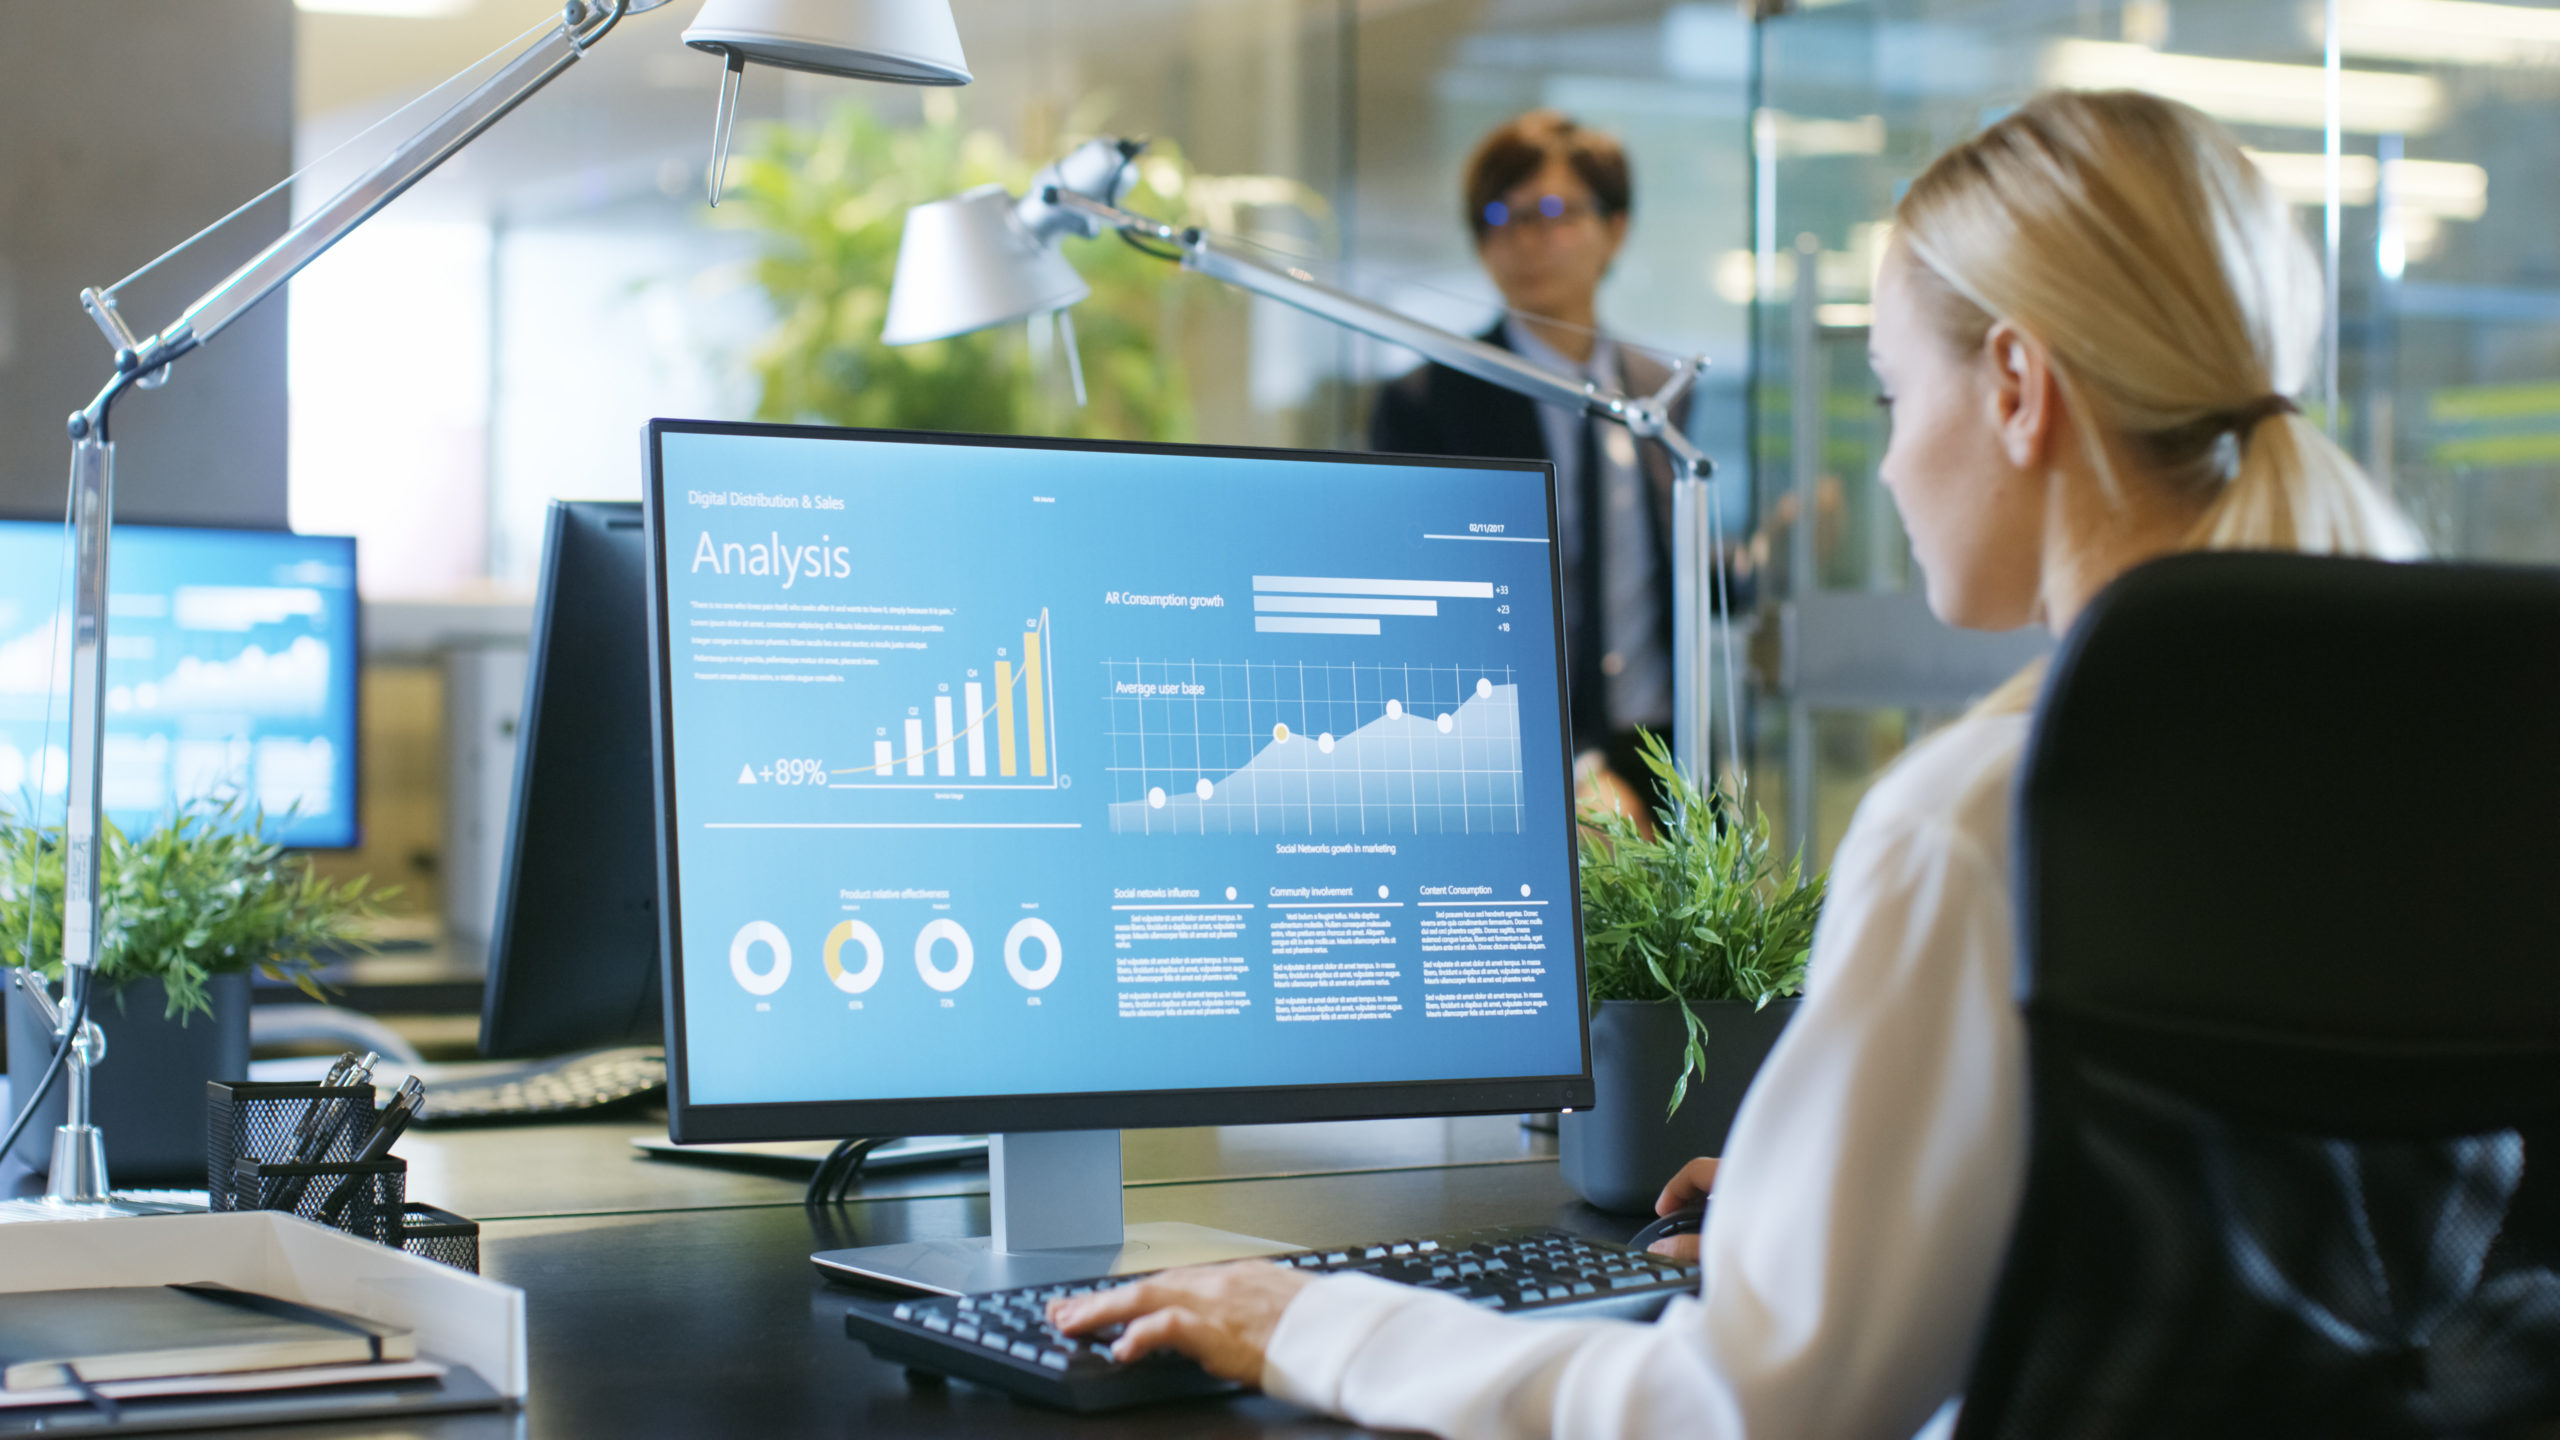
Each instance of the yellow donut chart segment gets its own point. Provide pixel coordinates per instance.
(965, 955)
(1053, 957)
(874, 957)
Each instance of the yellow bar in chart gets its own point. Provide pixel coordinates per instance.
(1031, 701)
(1004, 717)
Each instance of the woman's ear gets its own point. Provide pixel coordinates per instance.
(2025, 402)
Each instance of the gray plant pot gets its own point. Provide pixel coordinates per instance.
(1618, 1153)
(148, 1094)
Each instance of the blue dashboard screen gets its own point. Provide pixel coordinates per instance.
(231, 670)
(1008, 770)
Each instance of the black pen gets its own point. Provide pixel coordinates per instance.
(312, 1147)
(396, 1116)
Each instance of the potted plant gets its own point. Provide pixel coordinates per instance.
(1695, 939)
(190, 910)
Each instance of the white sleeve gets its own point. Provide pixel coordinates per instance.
(1860, 1214)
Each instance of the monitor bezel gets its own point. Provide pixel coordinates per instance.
(691, 1123)
(353, 671)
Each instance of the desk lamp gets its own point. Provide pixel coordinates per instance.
(987, 258)
(903, 41)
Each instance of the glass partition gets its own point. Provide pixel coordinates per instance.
(2405, 133)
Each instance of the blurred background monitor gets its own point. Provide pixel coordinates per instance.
(573, 957)
(231, 670)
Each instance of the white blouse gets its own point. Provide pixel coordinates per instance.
(1862, 1208)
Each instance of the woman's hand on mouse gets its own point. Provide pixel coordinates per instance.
(1220, 1315)
(1687, 1190)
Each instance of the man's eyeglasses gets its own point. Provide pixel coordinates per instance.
(1550, 212)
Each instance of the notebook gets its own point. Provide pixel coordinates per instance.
(53, 1338)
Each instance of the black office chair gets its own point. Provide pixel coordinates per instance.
(2289, 905)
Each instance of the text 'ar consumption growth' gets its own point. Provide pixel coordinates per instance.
(1248, 769)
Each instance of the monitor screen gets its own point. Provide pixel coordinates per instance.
(1022, 784)
(231, 670)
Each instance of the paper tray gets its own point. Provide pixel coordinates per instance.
(473, 1324)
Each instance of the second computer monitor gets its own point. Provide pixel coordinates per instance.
(231, 673)
(1025, 784)
(573, 958)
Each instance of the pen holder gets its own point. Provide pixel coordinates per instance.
(279, 1123)
(361, 1197)
(441, 1236)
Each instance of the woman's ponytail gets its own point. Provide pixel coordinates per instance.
(2294, 489)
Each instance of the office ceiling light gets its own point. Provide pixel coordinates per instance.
(2447, 32)
(2448, 189)
(970, 262)
(906, 42)
(2252, 92)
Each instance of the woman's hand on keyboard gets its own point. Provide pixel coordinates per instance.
(1220, 1315)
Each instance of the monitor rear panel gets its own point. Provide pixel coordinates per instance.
(1040, 784)
(573, 959)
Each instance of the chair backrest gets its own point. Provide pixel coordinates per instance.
(2288, 860)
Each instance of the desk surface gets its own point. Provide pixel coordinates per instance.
(670, 1299)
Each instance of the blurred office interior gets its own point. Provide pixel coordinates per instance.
(496, 339)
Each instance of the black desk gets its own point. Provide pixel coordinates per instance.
(669, 1300)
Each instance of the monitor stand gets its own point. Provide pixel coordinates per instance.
(1056, 1201)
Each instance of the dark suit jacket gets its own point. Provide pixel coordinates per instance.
(1435, 410)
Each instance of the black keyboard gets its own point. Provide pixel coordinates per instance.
(1003, 1338)
(548, 1088)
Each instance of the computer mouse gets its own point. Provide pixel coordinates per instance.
(1689, 1221)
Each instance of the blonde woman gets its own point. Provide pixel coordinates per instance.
(2088, 327)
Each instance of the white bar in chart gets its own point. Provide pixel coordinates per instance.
(881, 757)
(941, 734)
(1343, 605)
(1334, 585)
(975, 695)
(1312, 625)
(915, 746)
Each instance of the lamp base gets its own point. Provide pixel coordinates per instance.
(79, 1173)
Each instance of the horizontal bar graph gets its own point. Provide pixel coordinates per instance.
(1347, 605)
(1313, 625)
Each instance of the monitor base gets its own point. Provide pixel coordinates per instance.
(973, 1265)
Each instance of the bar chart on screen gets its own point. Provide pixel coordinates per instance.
(992, 725)
(1210, 747)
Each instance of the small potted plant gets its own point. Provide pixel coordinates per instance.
(190, 910)
(1695, 940)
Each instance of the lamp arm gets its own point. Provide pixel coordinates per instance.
(582, 24)
(1648, 418)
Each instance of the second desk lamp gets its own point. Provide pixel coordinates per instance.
(986, 257)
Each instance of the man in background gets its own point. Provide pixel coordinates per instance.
(1549, 202)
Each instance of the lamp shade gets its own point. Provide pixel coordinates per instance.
(967, 263)
(904, 42)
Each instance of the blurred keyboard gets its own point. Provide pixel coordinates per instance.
(545, 1089)
(1003, 1338)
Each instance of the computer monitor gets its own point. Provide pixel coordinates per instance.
(573, 957)
(231, 670)
(1047, 787)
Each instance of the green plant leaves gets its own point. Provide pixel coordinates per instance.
(201, 895)
(829, 204)
(1700, 911)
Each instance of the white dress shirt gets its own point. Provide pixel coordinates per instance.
(1863, 1206)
